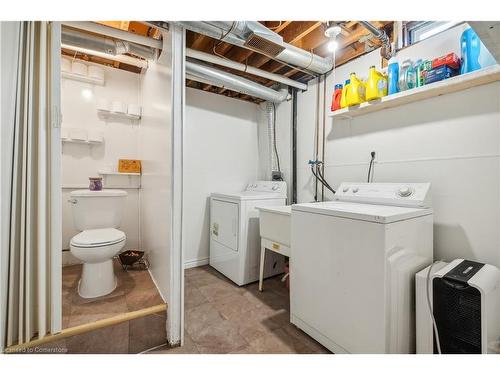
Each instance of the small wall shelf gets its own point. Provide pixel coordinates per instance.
(112, 179)
(105, 113)
(106, 173)
(447, 86)
(81, 78)
(69, 140)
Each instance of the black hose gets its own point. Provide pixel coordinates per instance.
(325, 184)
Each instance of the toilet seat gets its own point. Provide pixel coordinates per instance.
(92, 238)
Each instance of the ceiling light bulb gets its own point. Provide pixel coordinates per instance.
(333, 31)
(332, 45)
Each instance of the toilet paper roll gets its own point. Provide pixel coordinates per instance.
(79, 68)
(96, 72)
(65, 65)
(134, 110)
(103, 105)
(118, 107)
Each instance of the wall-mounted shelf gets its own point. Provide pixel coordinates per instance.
(68, 140)
(106, 173)
(112, 179)
(82, 78)
(447, 86)
(105, 113)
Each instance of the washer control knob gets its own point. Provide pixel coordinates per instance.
(404, 191)
(345, 190)
(355, 189)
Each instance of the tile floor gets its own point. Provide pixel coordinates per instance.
(224, 318)
(135, 291)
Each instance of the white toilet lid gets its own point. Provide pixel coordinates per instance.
(98, 237)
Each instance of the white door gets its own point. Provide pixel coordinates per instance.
(224, 223)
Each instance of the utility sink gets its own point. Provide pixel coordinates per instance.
(275, 224)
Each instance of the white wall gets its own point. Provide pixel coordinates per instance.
(155, 150)
(221, 153)
(452, 141)
(81, 161)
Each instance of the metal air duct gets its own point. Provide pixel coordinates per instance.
(255, 36)
(233, 82)
(103, 44)
(213, 59)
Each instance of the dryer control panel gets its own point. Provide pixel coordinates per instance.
(411, 194)
(267, 186)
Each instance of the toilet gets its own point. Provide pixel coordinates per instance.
(97, 214)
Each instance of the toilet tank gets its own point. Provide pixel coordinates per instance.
(97, 209)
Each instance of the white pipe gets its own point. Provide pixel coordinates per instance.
(143, 64)
(291, 55)
(243, 68)
(234, 82)
(115, 33)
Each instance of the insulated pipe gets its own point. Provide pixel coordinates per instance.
(115, 33)
(207, 57)
(129, 60)
(270, 139)
(104, 44)
(381, 35)
(234, 33)
(234, 82)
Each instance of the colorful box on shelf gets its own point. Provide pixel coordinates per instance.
(451, 60)
(439, 73)
(129, 166)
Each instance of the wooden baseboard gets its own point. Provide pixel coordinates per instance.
(84, 328)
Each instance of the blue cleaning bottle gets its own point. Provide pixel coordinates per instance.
(393, 76)
(470, 46)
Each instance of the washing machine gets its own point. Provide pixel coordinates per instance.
(353, 264)
(234, 231)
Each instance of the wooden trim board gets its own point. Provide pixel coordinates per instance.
(84, 328)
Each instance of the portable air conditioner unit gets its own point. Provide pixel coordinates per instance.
(464, 296)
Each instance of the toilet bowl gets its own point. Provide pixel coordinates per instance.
(97, 214)
(96, 249)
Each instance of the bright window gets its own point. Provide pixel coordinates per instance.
(417, 31)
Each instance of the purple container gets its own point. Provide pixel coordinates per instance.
(95, 183)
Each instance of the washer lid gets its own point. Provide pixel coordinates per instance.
(249, 195)
(362, 211)
(98, 237)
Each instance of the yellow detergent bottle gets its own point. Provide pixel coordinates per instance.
(356, 92)
(343, 102)
(376, 85)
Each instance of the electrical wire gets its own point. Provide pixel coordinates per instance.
(369, 170)
(275, 27)
(370, 167)
(434, 325)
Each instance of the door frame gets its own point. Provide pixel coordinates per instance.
(175, 322)
(55, 205)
